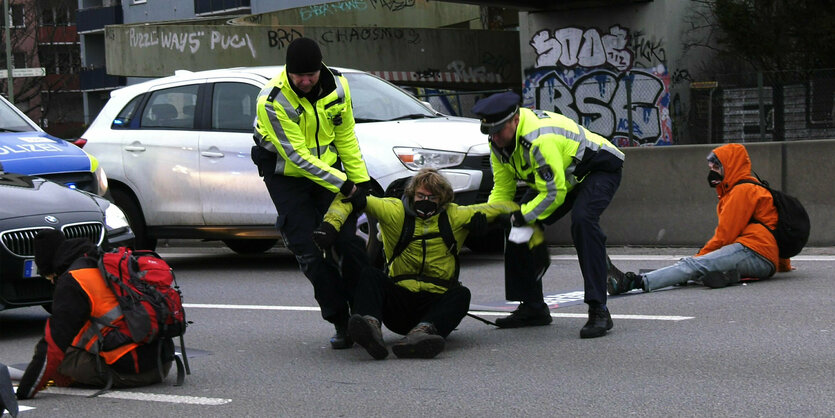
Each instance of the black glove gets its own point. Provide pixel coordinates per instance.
(324, 236)
(358, 199)
(477, 225)
(511, 219)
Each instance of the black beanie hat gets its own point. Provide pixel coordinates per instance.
(303, 56)
(46, 245)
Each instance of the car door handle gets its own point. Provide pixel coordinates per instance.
(134, 148)
(212, 154)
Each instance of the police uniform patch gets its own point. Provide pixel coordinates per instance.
(545, 172)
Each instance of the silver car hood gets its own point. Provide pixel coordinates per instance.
(445, 133)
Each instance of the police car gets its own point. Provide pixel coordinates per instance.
(26, 149)
(32, 204)
(177, 153)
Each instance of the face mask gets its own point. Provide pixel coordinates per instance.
(425, 208)
(714, 178)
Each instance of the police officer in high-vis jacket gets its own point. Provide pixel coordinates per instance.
(568, 168)
(306, 151)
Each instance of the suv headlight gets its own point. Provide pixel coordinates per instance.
(114, 218)
(417, 158)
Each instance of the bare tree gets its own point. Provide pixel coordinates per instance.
(43, 35)
(783, 39)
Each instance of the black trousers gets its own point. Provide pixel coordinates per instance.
(400, 309)
(525, 267)
(301, 204)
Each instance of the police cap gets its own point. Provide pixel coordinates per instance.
(496, 110)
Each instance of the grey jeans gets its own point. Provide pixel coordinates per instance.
(730, 257)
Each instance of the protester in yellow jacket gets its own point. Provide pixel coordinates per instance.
(738, 248)
(567, 168)
(419, 294)
(306, 151)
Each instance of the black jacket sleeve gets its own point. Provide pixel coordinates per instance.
(70, 311)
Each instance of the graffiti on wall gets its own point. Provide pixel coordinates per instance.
(344, 6)
(190, 41)
(592, 78)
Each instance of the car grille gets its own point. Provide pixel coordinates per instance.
(21, 242)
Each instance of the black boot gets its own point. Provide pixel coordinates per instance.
(618, 282)
(599, 322)
(367, 332)
(422, 341)
(341, 339)
(526, 315)
(718, 279)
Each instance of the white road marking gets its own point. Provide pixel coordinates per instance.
(679, 257)
(312, 308)
(251, 307)
(138, 396)
(582, 315)
(20, 408)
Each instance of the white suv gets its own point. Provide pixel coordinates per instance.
(177, 153)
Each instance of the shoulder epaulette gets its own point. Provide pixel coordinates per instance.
(273, 93)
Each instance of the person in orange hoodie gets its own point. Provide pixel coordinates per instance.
(739, 247)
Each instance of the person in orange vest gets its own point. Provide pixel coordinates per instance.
(82, 343)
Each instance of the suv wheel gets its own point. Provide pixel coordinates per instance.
(250, 246)
(136, 220)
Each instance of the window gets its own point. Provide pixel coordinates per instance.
(17, 16)
(62, 16)
(219, 6)
(126, 115)
(169, 108)
(233, 106)
(19, 60)
(47, 16)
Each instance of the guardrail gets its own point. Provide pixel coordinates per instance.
(664, 199)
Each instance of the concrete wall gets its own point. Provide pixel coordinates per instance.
(154, 50)
(664, 199)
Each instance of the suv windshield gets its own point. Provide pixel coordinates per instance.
(11, 121)
(376, 100)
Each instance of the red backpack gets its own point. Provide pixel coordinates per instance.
(148, 295)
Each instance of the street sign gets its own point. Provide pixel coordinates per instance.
(704, 85)
(24, 72)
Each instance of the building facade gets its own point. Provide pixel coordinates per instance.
(44, 41)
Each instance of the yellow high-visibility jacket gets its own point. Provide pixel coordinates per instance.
(429, 259)
(550, 155)
(309, 137)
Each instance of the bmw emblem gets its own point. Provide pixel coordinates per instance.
(50, 219)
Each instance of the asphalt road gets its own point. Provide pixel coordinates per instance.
(258, 347)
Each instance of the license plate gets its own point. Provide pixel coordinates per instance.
(30, 269)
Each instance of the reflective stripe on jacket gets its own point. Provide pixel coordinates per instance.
(104, 309)
(432, 259)
(309, 138)
(552, 154)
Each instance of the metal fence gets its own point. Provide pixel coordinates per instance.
(756, 107)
